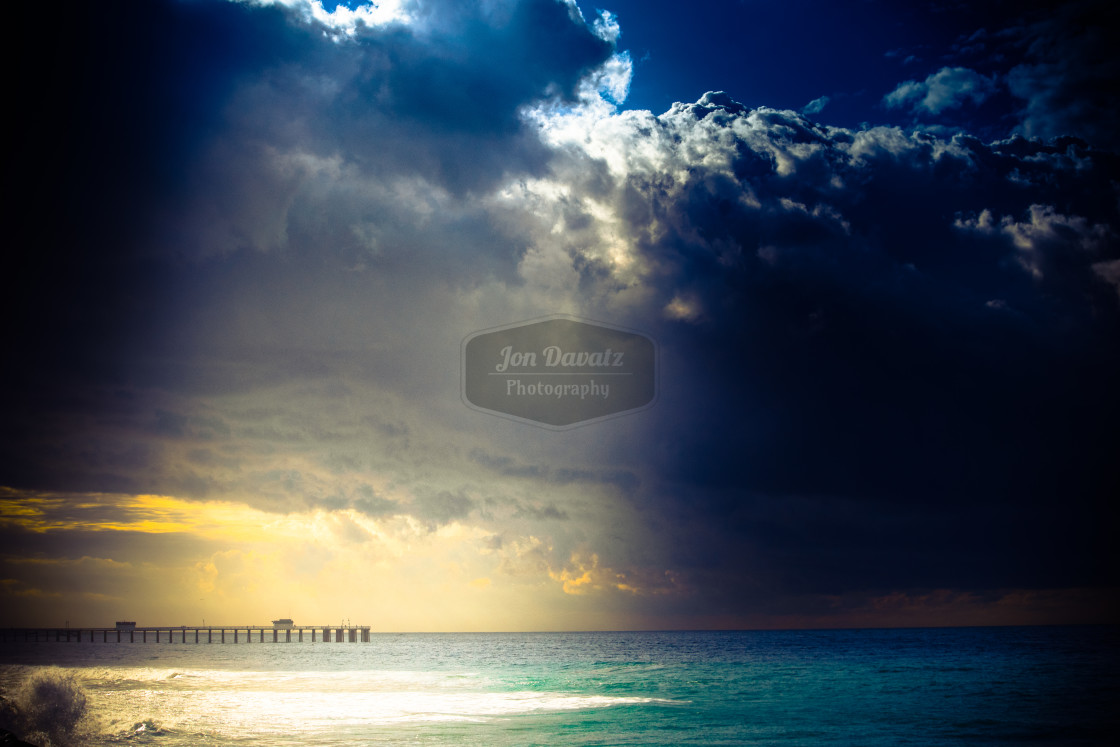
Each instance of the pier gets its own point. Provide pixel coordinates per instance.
(193, 634)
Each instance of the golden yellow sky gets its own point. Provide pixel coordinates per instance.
(227, 563)
(168, 561)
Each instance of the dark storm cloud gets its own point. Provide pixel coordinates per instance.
(508, 466)
(1069, 73)
(138, 103)
(1049, 69)
(438, 99)
(166, 145)
(889, 355)
(544, 513)
(115, 106)
(370, 503)
(122, 546)
(443, 507)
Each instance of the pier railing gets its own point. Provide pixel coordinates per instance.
(192, 633)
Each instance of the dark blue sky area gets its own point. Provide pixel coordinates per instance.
(786, 55)
(774, 54)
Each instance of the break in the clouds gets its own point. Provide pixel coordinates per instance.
(887, 351)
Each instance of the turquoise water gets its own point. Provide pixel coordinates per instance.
(986, 686)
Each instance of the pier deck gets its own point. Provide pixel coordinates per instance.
(192, 634)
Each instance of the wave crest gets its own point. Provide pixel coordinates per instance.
(48, 709)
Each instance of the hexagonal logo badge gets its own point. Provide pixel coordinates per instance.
(559, 372)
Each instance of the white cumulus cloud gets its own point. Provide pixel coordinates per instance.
(948, 88)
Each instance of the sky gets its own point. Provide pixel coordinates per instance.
(876, 248)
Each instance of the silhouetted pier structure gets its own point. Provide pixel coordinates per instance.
(193, 634)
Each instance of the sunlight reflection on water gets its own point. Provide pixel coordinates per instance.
(265, 705)
(873, 688)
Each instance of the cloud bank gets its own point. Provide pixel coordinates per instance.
(887, 352)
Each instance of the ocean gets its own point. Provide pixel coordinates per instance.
(945, 686)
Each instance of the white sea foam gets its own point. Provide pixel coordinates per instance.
(239, 704)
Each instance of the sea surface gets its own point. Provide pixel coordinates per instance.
(962, 686)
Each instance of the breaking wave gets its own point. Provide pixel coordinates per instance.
(48, 709)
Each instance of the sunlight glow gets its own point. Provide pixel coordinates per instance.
(231, 563)
(343, 20)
